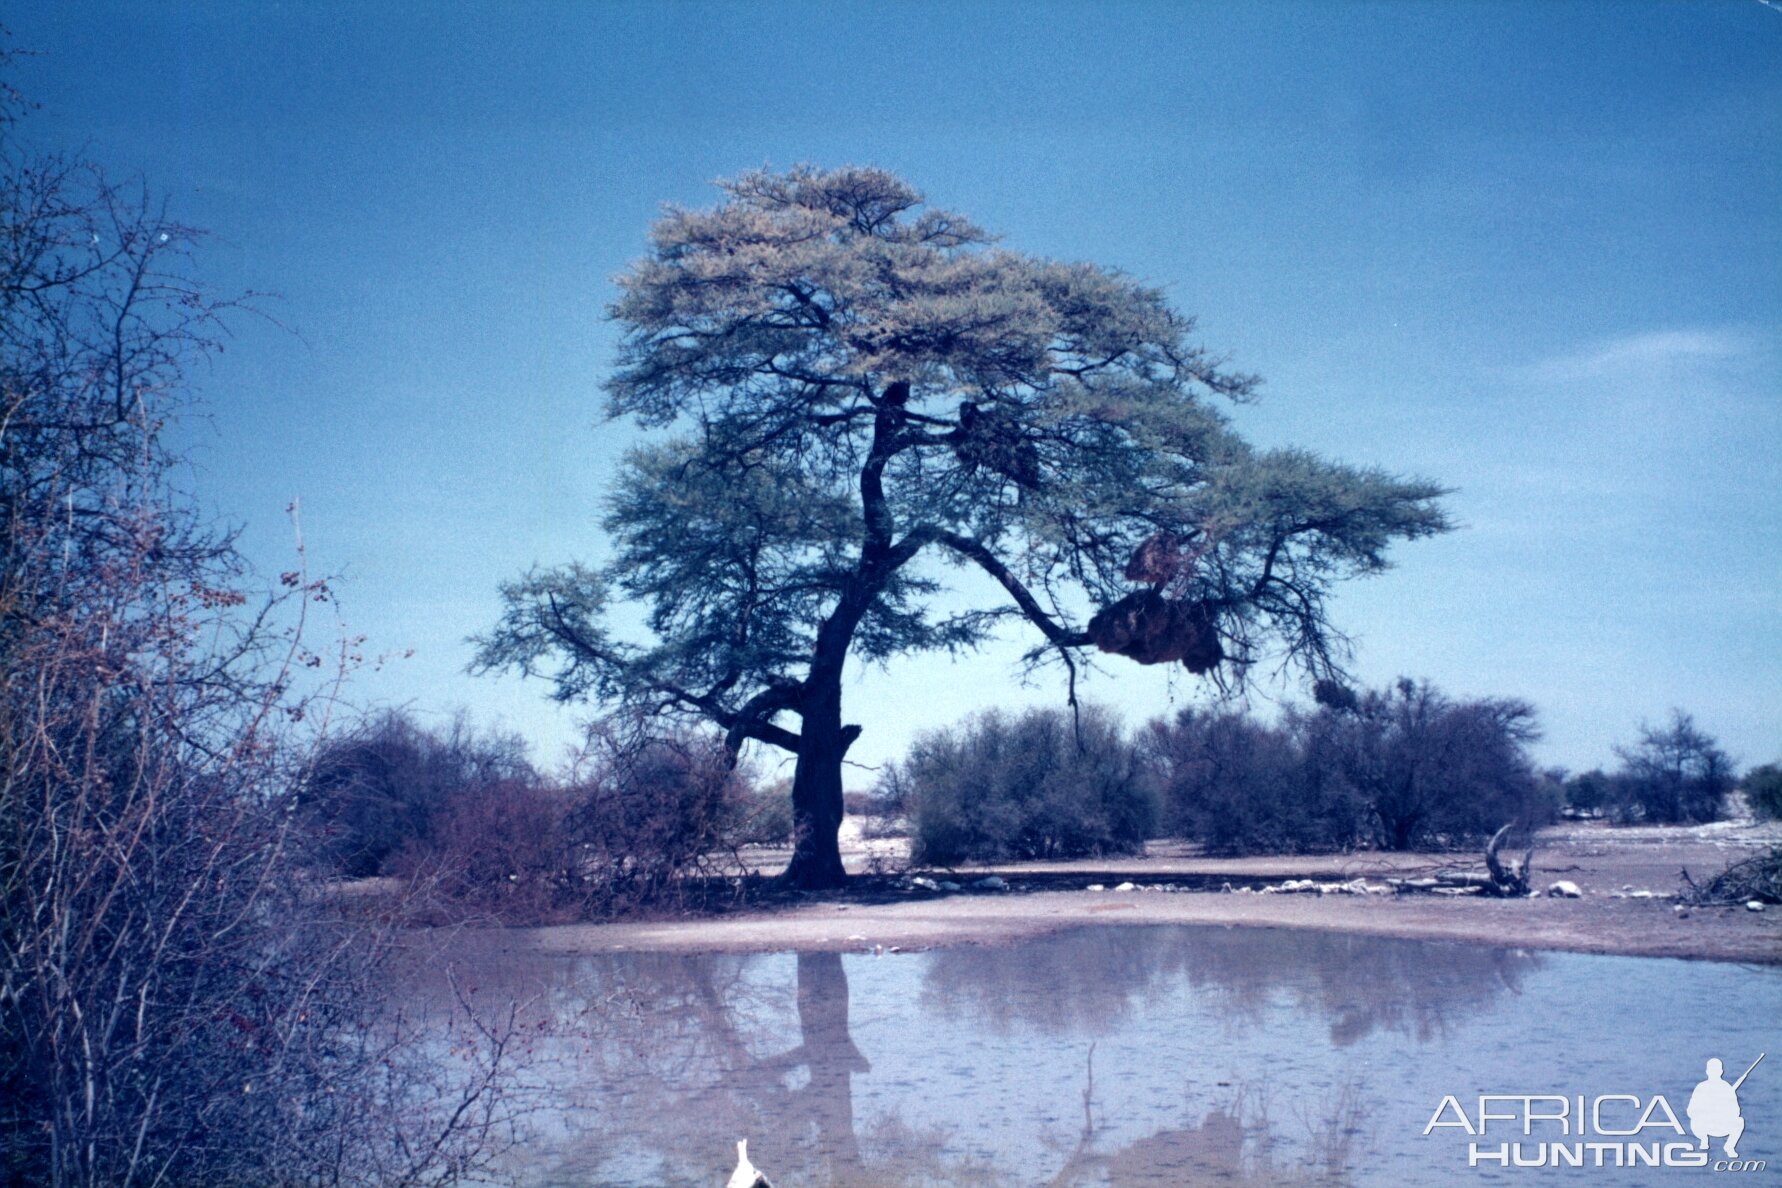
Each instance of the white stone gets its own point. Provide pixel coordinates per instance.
(1565, 889)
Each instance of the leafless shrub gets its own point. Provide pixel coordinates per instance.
(382, 785)
(649, 810)
(174, 1006)
(497, 851)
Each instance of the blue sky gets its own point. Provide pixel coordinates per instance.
(1531, 250)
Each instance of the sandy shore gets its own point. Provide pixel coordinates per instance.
(1607, 864)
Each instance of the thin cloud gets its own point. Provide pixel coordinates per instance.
(1647, 351)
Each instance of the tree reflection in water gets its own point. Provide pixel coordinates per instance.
(659, 1063)
(1087, 981)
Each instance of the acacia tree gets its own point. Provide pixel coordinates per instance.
(855, 393)
(1425, 765)
(1676, 773)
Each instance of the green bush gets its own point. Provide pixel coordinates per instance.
(763, 813)
(1039, 785)
(1594, 791)
(1676, 774)
(1395, 768)
(1763, 790)
(1430, 770)
(1239, 787)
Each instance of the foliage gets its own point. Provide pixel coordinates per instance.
(764, 814)
(1396, 768)
(1240, 787)
(1674, 774)
(380, 786)
(1430, 770)
(1034, 786)
(1594, 791)
(1763, 790)
(855, 399)
(175, 1007)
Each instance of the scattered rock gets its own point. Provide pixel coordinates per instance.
(1126, 887)
(1095, 887)
(947, 885)
(991, 883)
(1754, 905)
(1564, 889)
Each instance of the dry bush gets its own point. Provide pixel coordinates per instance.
(174, 1008)
(638, 814)
(648, 809)
(498, 851)
(381, 785)
(1754, 879)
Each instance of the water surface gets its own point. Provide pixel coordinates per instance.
(1109, 1056)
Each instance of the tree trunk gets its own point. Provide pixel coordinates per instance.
(817, 786)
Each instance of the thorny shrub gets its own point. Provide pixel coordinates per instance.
(1044, 784)
(176, 1006)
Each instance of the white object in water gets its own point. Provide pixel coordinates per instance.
(746, 1174)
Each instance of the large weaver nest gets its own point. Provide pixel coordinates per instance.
(1152, 629)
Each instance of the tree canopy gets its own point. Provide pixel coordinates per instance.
(853, 395)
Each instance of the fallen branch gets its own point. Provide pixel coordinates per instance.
(1755, 880)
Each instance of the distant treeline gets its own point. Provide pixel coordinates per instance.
(462, 814)
(1405, 767)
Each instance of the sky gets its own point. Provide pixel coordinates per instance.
(1530, 250)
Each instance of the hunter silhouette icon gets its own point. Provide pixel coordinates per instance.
(1714, 1108)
